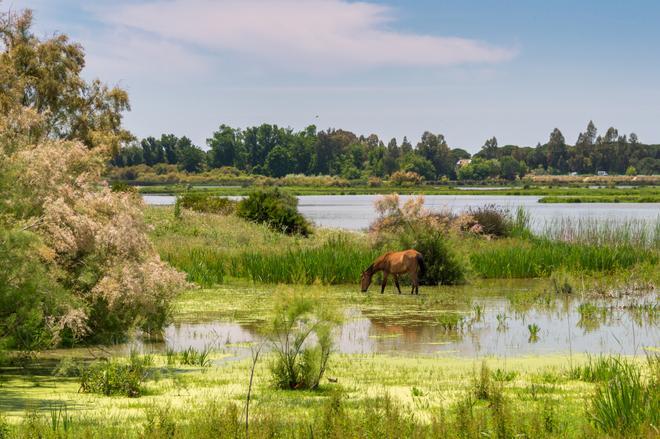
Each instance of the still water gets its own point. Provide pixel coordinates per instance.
(490, 318)
(356, 212)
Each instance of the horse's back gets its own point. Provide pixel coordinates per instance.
(403, 261)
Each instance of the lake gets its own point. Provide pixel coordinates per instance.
(356, 212)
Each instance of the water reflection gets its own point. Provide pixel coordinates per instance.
(501, 325)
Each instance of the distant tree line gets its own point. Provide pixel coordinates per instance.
(274, 151)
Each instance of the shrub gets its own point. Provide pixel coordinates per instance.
(114, 377)
(300, 363)
(412, 226)
(409, 178)
(203, 202)
(493, 220)
(626, 403)
(119, 186)
(442, 267)
(277, 209)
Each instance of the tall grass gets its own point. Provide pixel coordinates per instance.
(539, 257)
(337, 260)
(627, 402)
(636, 233)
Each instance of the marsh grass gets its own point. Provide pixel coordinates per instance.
(600, 369)
(374, 398)
(627, 402)
(634, 233)
(540, 257)
(116, 377)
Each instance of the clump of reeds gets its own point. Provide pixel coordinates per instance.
(627, 402)
(540, 257)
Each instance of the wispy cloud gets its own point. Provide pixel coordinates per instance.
(300, 33)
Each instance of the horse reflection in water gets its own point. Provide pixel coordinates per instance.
(408, 262)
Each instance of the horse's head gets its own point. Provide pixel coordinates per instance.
(365, 281)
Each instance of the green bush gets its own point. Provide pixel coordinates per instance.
(277, 209)
(627, 403)
(494, 220)
(441, 266)
(28, 294)
(203, 202)
(114, 377)
(300, 363)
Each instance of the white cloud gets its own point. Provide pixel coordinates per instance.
(305, 33)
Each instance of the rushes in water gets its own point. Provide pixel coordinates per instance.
(534, 330)
(540, 257)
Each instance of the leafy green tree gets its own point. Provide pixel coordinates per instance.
(557, 151)
(191, 158)
(510, 168)
(226, 148)
(418, 164)
(433, 147)
(391, 159)
(489, 150)
(44, 76)
(279, 162)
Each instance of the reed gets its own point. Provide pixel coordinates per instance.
(540, 257)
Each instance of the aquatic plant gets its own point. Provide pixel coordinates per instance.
(114, 377)
(626, 402)
(539, 257)
(501, 321)
(299, 364)
(194, 357)
(533, 332)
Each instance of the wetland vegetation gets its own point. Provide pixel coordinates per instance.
(226, 318)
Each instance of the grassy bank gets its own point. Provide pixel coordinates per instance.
(549, 396)
(212, 248)
(650, 198)
(215, 248)
(532, 190)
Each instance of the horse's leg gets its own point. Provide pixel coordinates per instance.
(396, 282)
(382, 287)
(415, 282)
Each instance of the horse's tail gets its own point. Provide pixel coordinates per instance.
(420, 263)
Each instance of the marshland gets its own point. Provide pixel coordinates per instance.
(153, 288)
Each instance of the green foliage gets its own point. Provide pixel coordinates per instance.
(28, 294)
(276, 208)
(494, 221)
(300, 363)
(338, 260)
(627, 403)
(441, 265)
(482, 385)
(599, 369)
(119, 186)
(539, 257)
(204, 202)
(114, 377)
(193, 357)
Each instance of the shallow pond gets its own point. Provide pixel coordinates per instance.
(356, 212)
(489, 318)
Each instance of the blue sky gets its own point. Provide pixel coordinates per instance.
(467, 69)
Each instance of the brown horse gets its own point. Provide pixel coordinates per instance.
(395, 263)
